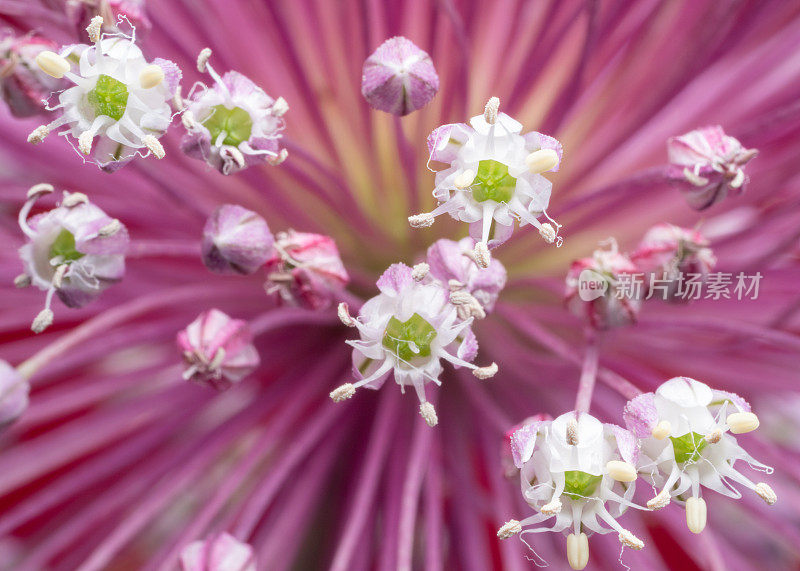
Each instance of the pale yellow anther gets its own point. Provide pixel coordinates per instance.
(482, 255)
(541, 161)
(202, 59)
(490, 111)
(578, 551)
(552, 508)
(509, 529)
(660, 501)
(621, 471)
(52, 64)
(280, 107)
(343, 311)
(464, 179)
(742, 422)
(427, 412)
(343, 392)
(95, 28)
(484, 373)
(39, 134)
(151, 76)
(154, 146)
(548, 233)
(662, 430)
(627, 539)
(85, 142)
(572, 432)
(696, 513)
(766, 493)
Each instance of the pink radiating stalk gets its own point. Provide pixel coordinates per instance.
(118, 462)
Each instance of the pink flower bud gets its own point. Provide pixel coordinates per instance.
(13, 394)
(306, 270)
(399, 77)
(672, 253)
(236, 241)
(218, 350)
(23, 85)
(708, 165)
(222, 552)
(603, 289)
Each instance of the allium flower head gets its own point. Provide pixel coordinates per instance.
(579, 472)
(399, 77)
(222, 552)
(594, 291)
(305, 270)
(236, 240)
(234, 124)
(119, 98)
(407, 330)
(217, 349)
(23, 86)
(74, 251)
(687, 445)
(708, 165)
(494, 177)
(14, 390)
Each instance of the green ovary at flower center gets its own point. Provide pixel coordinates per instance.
(492, 182)
(688, 447)
(109, 97)
(235, 123)
(579, 485)
(409, 339)
(64, 247)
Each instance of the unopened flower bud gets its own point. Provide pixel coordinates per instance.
(399, 77)
(218, 350)
(696, 514)
(236, 241)
(578, 551)
(23, 84)
(742, 422)
(218, 553)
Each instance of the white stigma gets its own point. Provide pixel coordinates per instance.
(151, 76)
(85, 142)
(766, 493)
(39, 134)
(627, 539)
(509, 529)
(427, 412)
(490, 111)
(280, 107)
(344, 392)
(541, 161)
(464, 179)
(578, 551)
(572, 432)
(202, 59)
(484, 373)
(42, 321)
(154, 146)
(94, 28)
(696, 513)
(52, 64)
(420, 220)
(662, 430)
(343, 311)
(548, 233)
(482, 255)
(660, 501)
(742, 422)
(420, 271)
(621, 471)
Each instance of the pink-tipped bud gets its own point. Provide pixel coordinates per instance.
(23, 85)
(399, 77)
(605, 290)
(306, 270)
(81, 12)
(708, 165)
(236, 241)
(218, 553)
(218, 350)
(13, 394)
